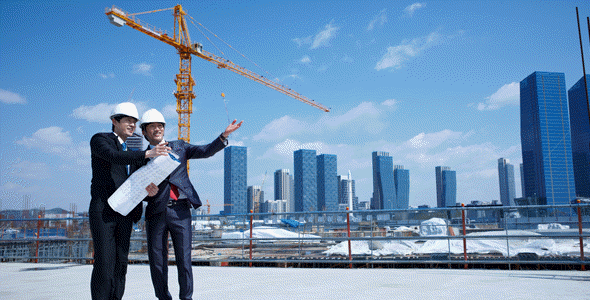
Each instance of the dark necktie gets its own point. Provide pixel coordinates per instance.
(124, 145)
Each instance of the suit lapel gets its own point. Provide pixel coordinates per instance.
(116, 140)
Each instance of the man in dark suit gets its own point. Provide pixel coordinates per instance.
(111, 231)
(169, 210)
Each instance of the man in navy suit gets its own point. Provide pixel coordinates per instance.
(169, 210)
(111, 231)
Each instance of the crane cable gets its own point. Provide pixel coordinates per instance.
(205, 35)
(271, 76)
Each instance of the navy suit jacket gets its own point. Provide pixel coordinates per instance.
(179, 176)
(109, 171)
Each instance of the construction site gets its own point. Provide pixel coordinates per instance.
(362, 239)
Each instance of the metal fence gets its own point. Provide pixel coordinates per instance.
(456, 237)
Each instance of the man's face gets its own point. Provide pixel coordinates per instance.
(154, 133)
(125, 127)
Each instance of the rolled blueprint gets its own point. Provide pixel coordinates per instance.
(132, 191)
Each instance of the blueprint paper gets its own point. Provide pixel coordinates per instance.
(132, 191)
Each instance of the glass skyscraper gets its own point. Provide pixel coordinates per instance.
(306, 192)
(235, 180)
(446, 187)
(580, 130)
(401, 178)
(506, 179)
(545, 137)
(255, 196)
(283, 189)
(383, 183)
(327, 182)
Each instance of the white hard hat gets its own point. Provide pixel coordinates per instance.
(152, 116)
(126, 109)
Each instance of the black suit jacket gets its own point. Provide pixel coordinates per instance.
(179, 176)
(109, 171)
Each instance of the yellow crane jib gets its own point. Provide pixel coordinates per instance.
(184, 81)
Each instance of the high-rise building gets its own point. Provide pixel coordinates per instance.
(580, 130)
(135, 142)
(283, 190)
(235, 180)
(545, 137)
(522, 182)
(507, 185)
(401, 178)
(346, 192)
(383, 184)
(327, 185)
(439, 185)
(255, 196)
(446, 187)
(306, 192)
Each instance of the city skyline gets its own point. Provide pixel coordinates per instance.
(428, 82)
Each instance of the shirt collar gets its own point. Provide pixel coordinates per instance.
(121, 141)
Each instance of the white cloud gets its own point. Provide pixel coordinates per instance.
(9, 97)
(105, 76)
(390, 102)
(305, 60)
(323, 37)
(412, 8)
(380, 19)
(508, 94)
(99, 113)
(303, 41)
(55, 140)
(431, 140)
(47, 137)
(279, 128)
(397, 55)
(143, 69)
(169, 112)
(365, 109)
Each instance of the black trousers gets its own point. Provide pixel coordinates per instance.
(111, 233)
(175, 220)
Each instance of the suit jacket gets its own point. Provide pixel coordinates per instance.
(179, 176)
(109, 171)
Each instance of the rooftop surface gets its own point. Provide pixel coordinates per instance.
(72, 281)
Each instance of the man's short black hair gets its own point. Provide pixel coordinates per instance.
(118, 119)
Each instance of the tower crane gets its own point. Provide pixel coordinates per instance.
(184, 81)
(257, 196)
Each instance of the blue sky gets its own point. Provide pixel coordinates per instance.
(432, 83)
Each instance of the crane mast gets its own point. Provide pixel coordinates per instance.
(184, 81)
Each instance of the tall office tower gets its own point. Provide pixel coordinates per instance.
(545, 136)
(401, 179)
(522, 182)
(135, 142)
(235, 180)
(580, 129)
(327, 185)
(507, 185)
(446, 187)
(439, 185)
(283, 191)
(255, 196)
(383, 185)
(346, 192)
(306, 192)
